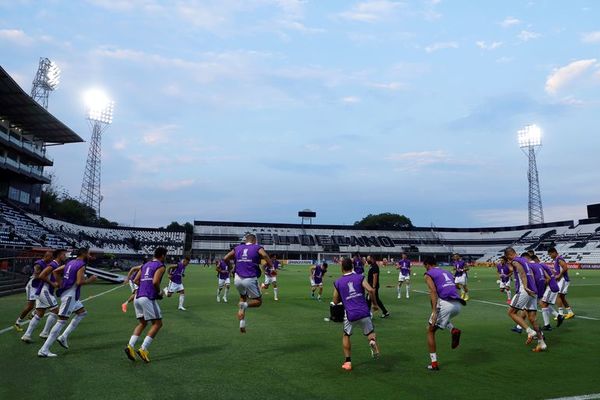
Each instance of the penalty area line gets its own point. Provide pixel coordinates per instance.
(10, 328)
(580, 397)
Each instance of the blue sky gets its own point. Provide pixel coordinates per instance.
(252, 110)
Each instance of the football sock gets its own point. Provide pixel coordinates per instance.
(32, 325)
(561, 311)
(243, 305)
(433, 357)
(226, 291)
(569, 310)
(450, 325)
(74, 324)
(242, 323)
(407, 289)
(54, 332)
(133, 340)
(146, 343)
(530, 332)
(50, 321)
(275, 292)
(181, 299)
(508, 294)
(546, 315)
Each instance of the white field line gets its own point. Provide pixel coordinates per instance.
(570, 287)
(506, 306)
(10, 328)
(580, 397)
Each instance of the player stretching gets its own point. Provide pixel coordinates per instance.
(70, 277)
(359, 264)
(561, 271)
(317, 272)
(445, 304)
(271, 277)
(223, 273)
(146, 305)
(525, 298)
(460, 276)
(131, 275)
(45, 298)
(176, 275)
(247, 270)
(30, 289)
(547, 290)
(350, 289)
(504, 274)
(404, 275)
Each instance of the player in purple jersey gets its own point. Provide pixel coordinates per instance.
(561, 271)
(45, 299)
(271, 277)
(247, 258)
(350, 290)
(445, 304)
(69, 278)
(359, 264)
(30, 289)
(525, 298)
(130, 279)
(223, 279)
(504, 275)
(460, 275)
(403, 275)
(176, 274)
(317, 273)
(146, 306)
(547, 293)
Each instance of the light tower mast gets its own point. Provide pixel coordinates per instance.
(530, 141)
(46, 80)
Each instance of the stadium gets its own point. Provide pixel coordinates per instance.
(440, 308)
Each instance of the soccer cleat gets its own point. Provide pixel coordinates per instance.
(547, 328)
(224, 299)
(433, 366)
(347, 366)
(218, 299)
(516, 330)
(455, 337)
(386, 315)
(399, 296)
(144, 355)
(570, 315)
(508, 302)
(47, 354)
(559, 320)
(462, 295)
(539, 348)
(466, 298)
(63, 342)
(407, 296)
(18, 327)
(374, 349)
(130, 352)
(529, 339)
(181, 309)
(43, 335)
(276, 298)
(124, 307)
(26, 339)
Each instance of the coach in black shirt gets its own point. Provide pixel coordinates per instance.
(373, 279)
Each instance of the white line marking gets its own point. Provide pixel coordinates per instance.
(10, 328)
(581, 397)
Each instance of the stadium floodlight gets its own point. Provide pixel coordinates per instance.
(46, 80)
(99, 107)
(530, 141)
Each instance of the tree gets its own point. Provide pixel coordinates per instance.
(384, 221)
(189, 232)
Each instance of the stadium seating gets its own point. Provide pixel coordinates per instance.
(28, 230)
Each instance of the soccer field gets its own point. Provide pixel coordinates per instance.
(290, 352)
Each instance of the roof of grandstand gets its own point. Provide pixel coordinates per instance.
(25, 113)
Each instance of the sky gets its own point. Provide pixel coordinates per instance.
(253, 110)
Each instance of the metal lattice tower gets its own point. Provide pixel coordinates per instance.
(530, 141)
(99, 116)
(46, 80)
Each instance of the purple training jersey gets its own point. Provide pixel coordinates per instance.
(247, 260)
(177, 274)
(359, 266)
(318, 274)
(36, 283)
(444, 284)
(352, 293)
(459, 268)
(553, 285)
(223, 270)
(45, 285)
(557, 268)
(404, 267)
(503, 271)
(540, 278)
(69, 279)
(272, 271)
(528, 272)
(146, 286)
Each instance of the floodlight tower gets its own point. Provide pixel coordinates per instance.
(46, 80)
(99, 115)
(530, 141)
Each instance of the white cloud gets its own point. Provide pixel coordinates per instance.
(159, 134)
(563, 76)
(16, 36)
(415, 160)
(518, 216)
(120, 144)
(488, 46)
(441, 45)
(371, 10)
(392, 86)
(173, 185)
(591, 37)
(504, 60)
(510, 21)
(526, 36)
(350, 100)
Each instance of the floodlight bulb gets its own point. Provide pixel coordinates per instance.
(99, 106)
(530, 135)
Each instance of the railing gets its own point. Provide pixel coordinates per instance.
(24, 144)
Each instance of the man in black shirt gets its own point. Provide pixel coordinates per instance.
(373, 279)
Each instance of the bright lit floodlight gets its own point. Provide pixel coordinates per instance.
(52, 75)
(529, 136)
(99, 106)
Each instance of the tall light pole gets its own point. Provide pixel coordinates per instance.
(530, 141)
(46, 80)
(99, 115)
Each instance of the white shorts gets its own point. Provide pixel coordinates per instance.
(549, 296)
(223, 282)
(445, 311)
(174, 287)
(270, 279)
(523, 301)
(147, 309)
(504, 285)
(30, 292)
(461, 280)
(312, 283)
(247, 287)
(133, 286)
(69, 305)
(366, 324)
(563, 286)
(46, 300)
(403, 278)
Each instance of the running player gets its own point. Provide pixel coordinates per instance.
(224, 282)
(504, 274)
(317, 272)
(70, 277)
(524, 298)
(131, 275)
(247, 271)
(547, 291)
(349, 290)
(271, 276)
(175, 285)
(146, 306)
(45, 298)
(359, 264)
(460, 276)
(561, 271)
(30, 289)
(404, 275)
(445, 304)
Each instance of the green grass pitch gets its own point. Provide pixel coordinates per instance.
(290, 352)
